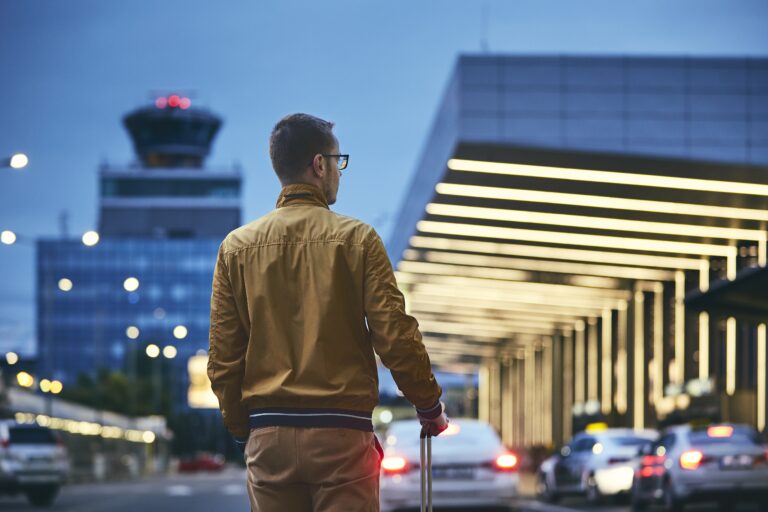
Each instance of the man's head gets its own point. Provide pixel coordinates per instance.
(300, 147)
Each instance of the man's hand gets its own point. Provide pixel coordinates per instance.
(433, 420)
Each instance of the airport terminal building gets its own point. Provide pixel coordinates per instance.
(589, 233)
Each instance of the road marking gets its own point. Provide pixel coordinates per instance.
(537, 506)
(178, 490)
(233, 490)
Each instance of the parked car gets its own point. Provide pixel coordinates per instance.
(594, 464)
(470, 467)
(32, 461)
(723, 463)
(201, 462)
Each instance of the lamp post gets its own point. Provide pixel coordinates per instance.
(16, 161)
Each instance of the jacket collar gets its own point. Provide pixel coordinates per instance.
(301, 194)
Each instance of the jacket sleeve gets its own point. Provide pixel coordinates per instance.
(394, 334)
(228, 342)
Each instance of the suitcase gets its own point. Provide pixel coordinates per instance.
(426, 472)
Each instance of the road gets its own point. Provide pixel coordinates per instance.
(223, 491)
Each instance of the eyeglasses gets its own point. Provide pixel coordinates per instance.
(343, 160)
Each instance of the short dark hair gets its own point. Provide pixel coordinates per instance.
(295, 141)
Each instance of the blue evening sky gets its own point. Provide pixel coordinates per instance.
(69, 69)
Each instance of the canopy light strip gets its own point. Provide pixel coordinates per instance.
(510, 287)
(540, 265)
(588, 222)
(452, 290)
(556, 253)
(617, 178)
(423, 267)
(612, 242)
(590, 201)
(423, 300)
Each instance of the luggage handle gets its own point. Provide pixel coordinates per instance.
(426, 471)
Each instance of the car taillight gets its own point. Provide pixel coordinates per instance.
(395, 465)
(506, 462)
(5, 443)
(691, 459)
(762, 459)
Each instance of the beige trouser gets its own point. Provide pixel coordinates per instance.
(293, 469)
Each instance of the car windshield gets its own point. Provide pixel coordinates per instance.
(31, 436)
(738, 436)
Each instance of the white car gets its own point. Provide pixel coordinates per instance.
(470, 467)
(32, 461)
(722, 463)
(594, 464)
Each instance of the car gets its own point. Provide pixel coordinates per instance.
(202, 462)
(722, 463)
(470, 467)
(596, 465)
(33, 461)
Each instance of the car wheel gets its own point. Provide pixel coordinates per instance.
(593, 492)
(42, 496)
(671, 504)
(545, 492)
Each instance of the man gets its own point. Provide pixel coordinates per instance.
(301, 299)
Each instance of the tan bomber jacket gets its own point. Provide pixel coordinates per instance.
(302, 298)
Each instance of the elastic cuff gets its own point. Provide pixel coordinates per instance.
(431, 413)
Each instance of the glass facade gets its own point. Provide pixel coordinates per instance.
(702, 109)
(87, 327)
(171, 187)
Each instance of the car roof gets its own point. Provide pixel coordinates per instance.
(415, 425)
(618, 432)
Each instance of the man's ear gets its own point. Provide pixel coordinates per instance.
(318, 166)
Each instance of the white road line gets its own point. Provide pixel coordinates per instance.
(233, 490)
(541, 507)
(178, 490)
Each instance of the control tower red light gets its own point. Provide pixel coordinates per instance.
(161, 102)
(184, 103)
(174, 101)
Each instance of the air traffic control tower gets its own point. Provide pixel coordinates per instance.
(169, 194)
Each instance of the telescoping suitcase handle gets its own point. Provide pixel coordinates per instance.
(426, 471)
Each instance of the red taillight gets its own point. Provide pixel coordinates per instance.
(652, 465)
(691, 459)
(5, 443)
(395, 465)
(506, 462)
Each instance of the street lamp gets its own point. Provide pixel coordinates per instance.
(11, 358)
(131, 284)
(170, 352)
(17, 161)
(153, 350)
(8, 237)
(25, 380)
(180, 332)
(90, 238)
